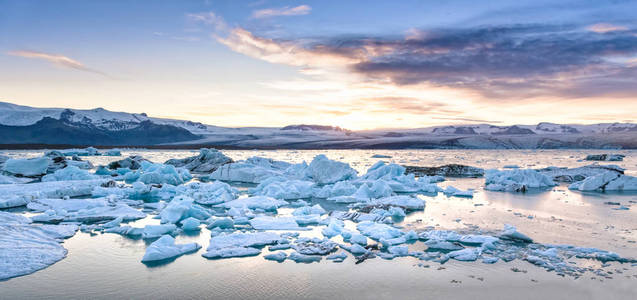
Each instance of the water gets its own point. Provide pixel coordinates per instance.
(108, 265)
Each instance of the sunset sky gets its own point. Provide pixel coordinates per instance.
(355, 64)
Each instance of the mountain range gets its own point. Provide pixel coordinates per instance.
(24, 125)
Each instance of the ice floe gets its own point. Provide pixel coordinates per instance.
(516, 180)
(27, 167)
(165, 248)
(207, 161)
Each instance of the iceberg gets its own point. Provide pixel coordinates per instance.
(378, 231)
(450, 170)
(452, 191)
(274, 223)
(314, 246)
(15, 195)
(27, 167)
(208, 193)
(231, 252)
(132, 162)
(302, 258)
(325, 171)
(285, 189)
(165, 248)
(190, 224)
(207, 161)
(252, 170)
(155, 231)
(26, 248)
(516, 180)
(255, 202)
(607, 181)
(276, 256)
(180, 208)
(239, 244)
(510, 232)
(69, 173)
(607, 157)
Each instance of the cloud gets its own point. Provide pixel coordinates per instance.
(605, 27)
(56, 59)
(284, 11)
(209, 18)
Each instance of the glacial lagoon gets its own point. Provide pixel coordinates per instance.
(107, 265)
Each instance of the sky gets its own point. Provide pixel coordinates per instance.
(355, 64)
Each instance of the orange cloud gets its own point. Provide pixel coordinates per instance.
(56, 59)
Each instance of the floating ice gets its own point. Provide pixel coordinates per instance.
(579, 173)
(314, 246)
(451, 170)
(155, 231)
(274, 223)
(277, 256)
(151, 173)
(20, 194)
(378, 231)
(302, 258)
(190, 224)
(252, 170)
(165, 248)
(180, 208)
(608, 157)
(207, 161)
(607, 181)
(239, 244)
(280, 188)
(28, 167)
(26, 248)
(325, 171)
(132, 162)
(255, 202)
(510, 232)
(69, 173)
(337, 257)
(452, 191)
(208, 193)
(516, 180)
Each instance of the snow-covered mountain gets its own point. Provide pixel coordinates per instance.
(30, 125)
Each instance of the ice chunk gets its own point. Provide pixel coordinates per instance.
(451, 170)
(337, 257)
(608, 157)
(208, 193)
(314, 246)
(154, 231)
(69, 205)
(274, 223)
(150, 173)
(378, 231)
(20, 194)
(452, 191)
(255, 202)
(408, 202)
(277, 256)
(309, 210)
(180, 208)
(380, 170)
(12, 180)
(286, 189)
(240, 239)
(334, 228)
(28, 167)
(607, 181)
(231, 252)
(105, 213)
(190, 224)
(341, 188)
(442, 245)
(69, 173)
(398, 250)
(207, 161)
(223, 223)
(510, 232)
(113, 152)
(325, 171)
(467, 254)
(165, 248)
(26, 248)
(133, 162)
(516, 180)
(302, 258)
(252, 170)
(579, 173)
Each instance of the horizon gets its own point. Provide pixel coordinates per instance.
(347, 129)
(405, 65)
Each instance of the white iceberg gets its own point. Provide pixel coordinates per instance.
(165, 248)
(69, 173)
(378, 231)
(28, 167)
(255, 202)
(274, 223)
(20, 194)
(325, 171)
(207, 161)
(517, 180)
